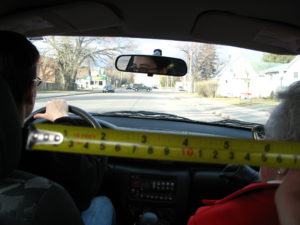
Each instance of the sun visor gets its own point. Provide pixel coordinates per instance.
(64, 19)
(234, 30)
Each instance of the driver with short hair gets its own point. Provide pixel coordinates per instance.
(81, 175)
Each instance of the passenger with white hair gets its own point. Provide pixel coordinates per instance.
(283, 125)
(255, 203)
(286, 125)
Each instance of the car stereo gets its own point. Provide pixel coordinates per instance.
(152, 188)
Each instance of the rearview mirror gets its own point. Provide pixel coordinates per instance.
(151, 64)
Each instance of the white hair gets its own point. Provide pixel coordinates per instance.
(284, 121)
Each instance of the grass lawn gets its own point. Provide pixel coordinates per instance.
(250, 102)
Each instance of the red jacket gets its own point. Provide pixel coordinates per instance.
(252, 205)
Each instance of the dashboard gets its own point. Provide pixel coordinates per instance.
(172, 191)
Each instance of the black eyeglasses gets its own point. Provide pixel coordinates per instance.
(37, 81)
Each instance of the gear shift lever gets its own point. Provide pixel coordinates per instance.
(148, 218)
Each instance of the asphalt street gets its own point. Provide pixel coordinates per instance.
(158, 100)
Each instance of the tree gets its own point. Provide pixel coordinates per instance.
(71, 53)
(116, 77)
(202, 61)
(277, 58)
(168, 81)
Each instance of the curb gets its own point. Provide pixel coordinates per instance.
(65, 95)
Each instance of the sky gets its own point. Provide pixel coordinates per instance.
(171, 48)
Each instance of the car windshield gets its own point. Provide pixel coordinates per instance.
(222, 82)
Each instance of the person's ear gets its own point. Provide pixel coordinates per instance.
(30, 94)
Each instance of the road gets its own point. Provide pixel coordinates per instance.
(165, 101)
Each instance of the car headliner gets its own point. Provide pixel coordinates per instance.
(239, 23)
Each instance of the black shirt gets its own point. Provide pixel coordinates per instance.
(81, 175)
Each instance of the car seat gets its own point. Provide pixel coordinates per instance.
(26, 198)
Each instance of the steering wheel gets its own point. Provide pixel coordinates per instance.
(77, 111)
(83, 114)
(72, 109)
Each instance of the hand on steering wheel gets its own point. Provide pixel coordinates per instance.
(54, 110)
(40, 113)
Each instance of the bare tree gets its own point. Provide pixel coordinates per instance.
(202, 61)
(71, 53)
(116, 77)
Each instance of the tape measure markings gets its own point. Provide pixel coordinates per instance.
(171, 147)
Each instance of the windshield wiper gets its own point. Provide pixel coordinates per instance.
(236, 123)
(145, 114)
(167, 116)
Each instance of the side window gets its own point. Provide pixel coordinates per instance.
(91, 82)
(295, 75)
(100, 83)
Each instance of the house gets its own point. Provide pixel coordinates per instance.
(46, 69)
(238, 78)
(283, 75)
(91, 78)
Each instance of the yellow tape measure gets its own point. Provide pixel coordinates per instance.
(160, 146)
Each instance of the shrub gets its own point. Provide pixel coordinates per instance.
(272, 96)
(207, 88)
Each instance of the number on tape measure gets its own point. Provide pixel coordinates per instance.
(144, 139)
(267, 148)
(166, 151)
(187, 151)
(247, 157)
(102, 146)
(226, 145)
(185, 142)
(231, 155)
(134, 149)
(150, 150)
(200, 152)
(71, 144)
(215, 154)
(118, 148)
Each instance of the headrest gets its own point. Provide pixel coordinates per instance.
(10, 131)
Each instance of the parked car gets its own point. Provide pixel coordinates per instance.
(108, 88)
(129, 87)
(139, 87)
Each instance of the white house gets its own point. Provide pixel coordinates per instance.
(238, 78)
(282, 76)
(96, 80)
(91, 82)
